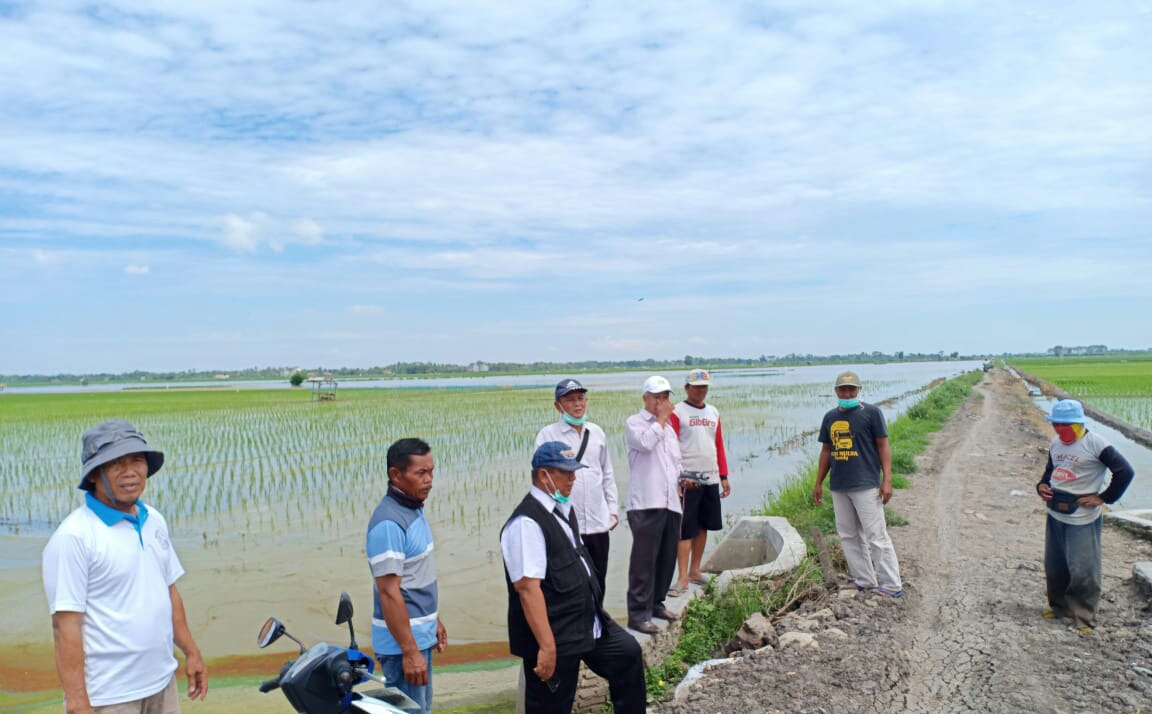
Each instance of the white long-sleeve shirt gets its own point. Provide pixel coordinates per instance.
(654, 462)
(594, 495)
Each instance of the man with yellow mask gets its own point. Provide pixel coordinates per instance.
(1071, 486)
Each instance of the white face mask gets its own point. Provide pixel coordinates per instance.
(556, 495)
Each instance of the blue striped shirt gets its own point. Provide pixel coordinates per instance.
(400, 543)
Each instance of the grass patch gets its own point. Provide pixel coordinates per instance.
(908, 437)
(712, 620)
(793, 500)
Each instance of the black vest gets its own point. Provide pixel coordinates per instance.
(571, 596)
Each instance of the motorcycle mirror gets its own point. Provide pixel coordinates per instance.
(270, 632)
(344, 609)
(273, 630)
(344, 614)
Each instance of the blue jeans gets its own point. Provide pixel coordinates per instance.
(392, 669)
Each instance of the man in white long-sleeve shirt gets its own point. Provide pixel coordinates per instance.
(594, 494)
(653, 505)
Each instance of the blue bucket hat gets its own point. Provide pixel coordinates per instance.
(556, 455)
(568, 385)
(1067, 411)
(109, 441)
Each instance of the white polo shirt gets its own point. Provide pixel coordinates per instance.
(98, 563)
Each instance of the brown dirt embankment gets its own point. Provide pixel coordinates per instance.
(968, 635)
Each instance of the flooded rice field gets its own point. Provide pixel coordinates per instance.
(268, 494)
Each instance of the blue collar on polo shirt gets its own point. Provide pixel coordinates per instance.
(111, 516)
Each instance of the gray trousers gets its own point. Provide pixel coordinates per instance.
(655, 534)
(864, 538)
(1073, 569)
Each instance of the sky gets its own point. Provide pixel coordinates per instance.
(200, 184)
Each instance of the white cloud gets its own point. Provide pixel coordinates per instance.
(366, 310)
(495, 164)
(244, 234)
(136, 269)
(259, 230)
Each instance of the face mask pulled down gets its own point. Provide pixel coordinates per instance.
(556, 495)
(574, 421)
(850, 403)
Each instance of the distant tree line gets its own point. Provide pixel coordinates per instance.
(427, 369)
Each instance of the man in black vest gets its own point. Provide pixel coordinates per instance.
(555, 614)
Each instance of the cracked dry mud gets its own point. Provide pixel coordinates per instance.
(968, 636)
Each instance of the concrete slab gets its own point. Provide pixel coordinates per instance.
(756, 547)
(1142, 573)
(1138, 521)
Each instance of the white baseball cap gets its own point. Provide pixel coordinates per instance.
(656, 384)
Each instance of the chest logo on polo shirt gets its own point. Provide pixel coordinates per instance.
(162, 541)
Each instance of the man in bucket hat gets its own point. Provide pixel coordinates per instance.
(555, 618)
(1071, 487)
(109, 573)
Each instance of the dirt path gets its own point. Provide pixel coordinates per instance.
(968, 636)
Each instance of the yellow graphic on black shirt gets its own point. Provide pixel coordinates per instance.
(843, 445)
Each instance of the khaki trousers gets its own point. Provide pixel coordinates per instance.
(166, 701)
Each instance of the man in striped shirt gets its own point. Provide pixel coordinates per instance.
(405, 624)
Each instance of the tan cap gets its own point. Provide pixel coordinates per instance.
(848, 379)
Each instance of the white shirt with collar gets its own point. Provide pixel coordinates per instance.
(119, 576)
(654, 462)
(522, 543)
(594, 494)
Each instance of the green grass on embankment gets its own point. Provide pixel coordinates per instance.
(908, 436)
(709, 622)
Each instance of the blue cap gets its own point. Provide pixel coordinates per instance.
(568, 385)
(1067, 411)
(556, 455)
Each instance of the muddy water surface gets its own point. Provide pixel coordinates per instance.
(293, 555)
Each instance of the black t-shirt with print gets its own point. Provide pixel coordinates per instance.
(852, 435)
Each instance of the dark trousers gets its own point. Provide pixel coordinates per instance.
(597, 545)
(616, 658)
(655, 535)
(1072, 569)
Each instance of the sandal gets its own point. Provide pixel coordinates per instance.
(853, 585)
(893, 594)
(676, 590)
(702, 582)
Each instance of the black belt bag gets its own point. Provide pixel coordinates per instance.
(697, 477)
(1064, 502)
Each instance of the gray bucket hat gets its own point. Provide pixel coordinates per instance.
(109, 441)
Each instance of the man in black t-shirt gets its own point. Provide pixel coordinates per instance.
(854, 448)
